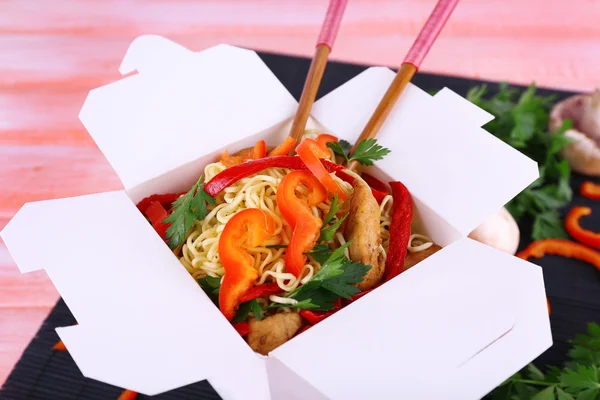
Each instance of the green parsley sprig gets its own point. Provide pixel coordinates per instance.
(579, 379)
(522, 122)
(188, 208)
(366, 152)
(330, 223)
(336, 278)
(212, 286)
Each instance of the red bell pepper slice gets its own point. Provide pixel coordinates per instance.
(242, 328)
(399, 230)
(248, 228)
(314, 317)
(284, 148)
(156, 213)
(590, 190)
(310, 152)
(165, 199)
(306, 227)
(233, 174)
(263, 290)
(375, 183)
(582, 235)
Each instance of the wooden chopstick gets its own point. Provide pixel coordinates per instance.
(409, 67)
(327, 36)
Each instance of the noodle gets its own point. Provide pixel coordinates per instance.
(199, 254)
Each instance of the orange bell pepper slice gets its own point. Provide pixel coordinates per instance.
(251, 153)
(283, 148)
(310, 150)
(580, 234)
(248, 228)
(128, 395)
(590, 190)
(306, 227)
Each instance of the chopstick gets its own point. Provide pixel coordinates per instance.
(409, 67)
(329, 31)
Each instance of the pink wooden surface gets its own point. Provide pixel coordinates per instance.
(53, 52)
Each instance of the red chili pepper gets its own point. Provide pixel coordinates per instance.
(580, 234)
(233, 174)
(263, 290)
(314, 317)
(375, 183)
(242, 328)
(590, 190)
(399, 230)
(164, 199)
(379, 195)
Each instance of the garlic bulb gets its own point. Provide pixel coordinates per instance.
(584, 110)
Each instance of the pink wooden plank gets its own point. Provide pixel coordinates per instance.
(16, 335)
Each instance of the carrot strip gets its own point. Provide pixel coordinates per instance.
(283, 148)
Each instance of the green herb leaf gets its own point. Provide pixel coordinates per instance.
(562, 395)
(328, 232)
(188, 208)
(548, 225)
(521, 121)
(368, 151)
(339, 150)
(256, 309)
(336, 278)
(546, 394)
(320, 253)
(242, 312)
(211, 287)
(332, 210)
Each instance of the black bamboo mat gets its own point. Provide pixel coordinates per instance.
(573, 287)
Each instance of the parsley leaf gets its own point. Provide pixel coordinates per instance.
(245, 309)
(366, 152)
(320, 253)
(211, 287)
(521, 121)
(328, 232)
(188, 208)
(580, 378)
(333, 209)
(336, 278)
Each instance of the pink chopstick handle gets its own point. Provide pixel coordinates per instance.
(430, 32)
(332, 22)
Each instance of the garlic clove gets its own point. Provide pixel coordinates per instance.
(499, 231)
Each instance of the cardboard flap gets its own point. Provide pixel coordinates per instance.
(444, 312)
(439, 150)
(144, 323)
(180, 106)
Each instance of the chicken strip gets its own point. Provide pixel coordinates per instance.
(271, 332)
(363, 230)
(415, 258)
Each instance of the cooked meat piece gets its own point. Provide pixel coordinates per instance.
(415, 258)
(271, 332)
(363, 229)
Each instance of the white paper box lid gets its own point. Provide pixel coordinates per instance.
(181, 105)
(124, 285)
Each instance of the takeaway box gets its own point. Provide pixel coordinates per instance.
(146, 325)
